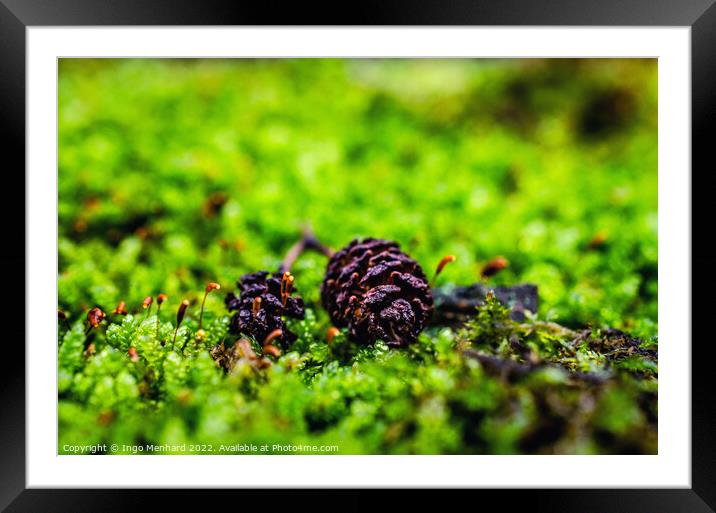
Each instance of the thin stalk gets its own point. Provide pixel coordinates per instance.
(160, 299)
(443, 262)
(209, 287)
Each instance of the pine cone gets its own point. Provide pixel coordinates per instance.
(260, 307)
(377, 292)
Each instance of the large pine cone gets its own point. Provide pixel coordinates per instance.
(260, 307)
(377, 292)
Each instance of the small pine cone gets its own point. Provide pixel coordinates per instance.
(258, 318)
(377, 292)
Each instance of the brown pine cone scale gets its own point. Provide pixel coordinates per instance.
(378, 292)
(260, 308)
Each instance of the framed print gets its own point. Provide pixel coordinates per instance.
(436, 248)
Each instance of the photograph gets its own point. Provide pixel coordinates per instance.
(348, 256)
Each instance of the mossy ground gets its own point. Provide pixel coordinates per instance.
(176, 173)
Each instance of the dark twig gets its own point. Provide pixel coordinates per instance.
(308, 241)
(513, 371)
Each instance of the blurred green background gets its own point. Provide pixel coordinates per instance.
(173, 173)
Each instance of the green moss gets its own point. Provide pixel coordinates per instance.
(498, 160)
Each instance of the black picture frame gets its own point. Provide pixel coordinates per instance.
(700, 15)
